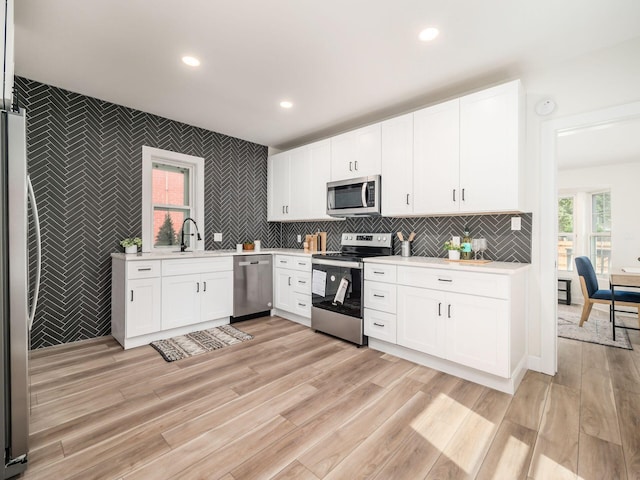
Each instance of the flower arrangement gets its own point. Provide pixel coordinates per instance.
(449, 245)
(130, 242)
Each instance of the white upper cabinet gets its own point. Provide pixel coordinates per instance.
(356, 153)
(490, 149)
(397, 166)
(278, 186)
(436, 157)
(298, 183)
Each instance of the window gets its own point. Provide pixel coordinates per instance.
(172, 191)
(600, 235)
(566, 233)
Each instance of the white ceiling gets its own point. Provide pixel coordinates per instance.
(342, 62)
(608, 144)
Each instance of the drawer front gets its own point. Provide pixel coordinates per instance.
(380, 296)
(380, 325)
(143, 269)
(302, 282)
(284, 261)
(302, 304)
(302, 264)
(380, 273)
(481, 284)
(196, 265)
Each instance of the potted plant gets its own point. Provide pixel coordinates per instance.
(454, 250)
(131, 245)
(248, 246)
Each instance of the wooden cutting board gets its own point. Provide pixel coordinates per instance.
(470, 262)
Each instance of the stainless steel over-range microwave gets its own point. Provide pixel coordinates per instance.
(354, 197)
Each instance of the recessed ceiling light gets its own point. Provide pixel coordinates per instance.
(429, 34)
(191, 61)
(286, 104)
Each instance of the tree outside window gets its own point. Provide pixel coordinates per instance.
(566, 236)
(600, 236)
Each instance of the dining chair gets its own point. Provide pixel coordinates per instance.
(592, 294)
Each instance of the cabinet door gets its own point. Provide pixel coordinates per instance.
(299, 185)
(436, 159)
(278, 186)
(397, 166)
(320, 158)
(284, 289)
(489, 149)
(216, 295)
(420, 320)
(143, 307)
(356, 153)
(477, 333)
(180, 300)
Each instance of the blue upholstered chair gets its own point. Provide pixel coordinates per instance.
(592, 294)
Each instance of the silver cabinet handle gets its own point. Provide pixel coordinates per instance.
(407, 199)
(355, 164)
(36, 226)
(378, 324)
(289, 281)
(350, 169)
(449, 311)
(302, 264)
(364, 194)
(282, 208)
(205, 286)
(197, 287)
(302, 304)
(463, 194)
(445, 280)
(439, 309)
(147, 269)
(454, 194)
(287, 208)
(378, 273)
(379, 296)
(132, 295)
(283, 261)
(302, 282)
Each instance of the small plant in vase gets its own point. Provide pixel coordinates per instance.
(453, 249)
(248, 246)
(131, 245)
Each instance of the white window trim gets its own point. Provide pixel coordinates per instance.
(196, 164)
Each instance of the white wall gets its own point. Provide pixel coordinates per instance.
(601, 79)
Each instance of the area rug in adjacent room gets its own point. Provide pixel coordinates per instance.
(202, 341)
(596, 330)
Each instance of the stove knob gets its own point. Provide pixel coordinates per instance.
(384, 239)
(378, 238)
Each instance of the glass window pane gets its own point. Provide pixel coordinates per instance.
(167, 223)
(565, 215)
(565, 253)
(600, 253)
(601, 212)
(169, 185)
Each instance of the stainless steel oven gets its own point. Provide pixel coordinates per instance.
(338, 285)
(355, 197)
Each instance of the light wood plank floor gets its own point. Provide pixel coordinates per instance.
(293, 404)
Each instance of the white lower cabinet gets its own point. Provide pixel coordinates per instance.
(420, 322)
(161, 298)
(467, 323)
(143, 306)
(292, 287)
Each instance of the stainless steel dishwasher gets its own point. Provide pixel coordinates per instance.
(252, 285)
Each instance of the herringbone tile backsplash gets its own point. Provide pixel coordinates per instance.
(85, 158)
(503, 244)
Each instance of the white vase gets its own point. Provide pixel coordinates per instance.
(454, 255)
(131, 249)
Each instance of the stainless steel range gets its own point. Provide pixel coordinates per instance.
(338, 285)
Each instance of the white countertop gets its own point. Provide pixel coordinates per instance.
(208, 254)
(443, 263)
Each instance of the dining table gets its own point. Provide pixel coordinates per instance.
(619, 278)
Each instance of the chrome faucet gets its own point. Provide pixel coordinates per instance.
(183, 247)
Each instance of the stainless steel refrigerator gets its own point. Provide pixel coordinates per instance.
(17, 302)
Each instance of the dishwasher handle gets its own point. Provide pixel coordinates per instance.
(248, 264)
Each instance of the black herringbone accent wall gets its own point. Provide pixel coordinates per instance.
(503, 244)
(85, 160)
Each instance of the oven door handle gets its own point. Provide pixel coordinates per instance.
(336, 263)
(364, 193)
